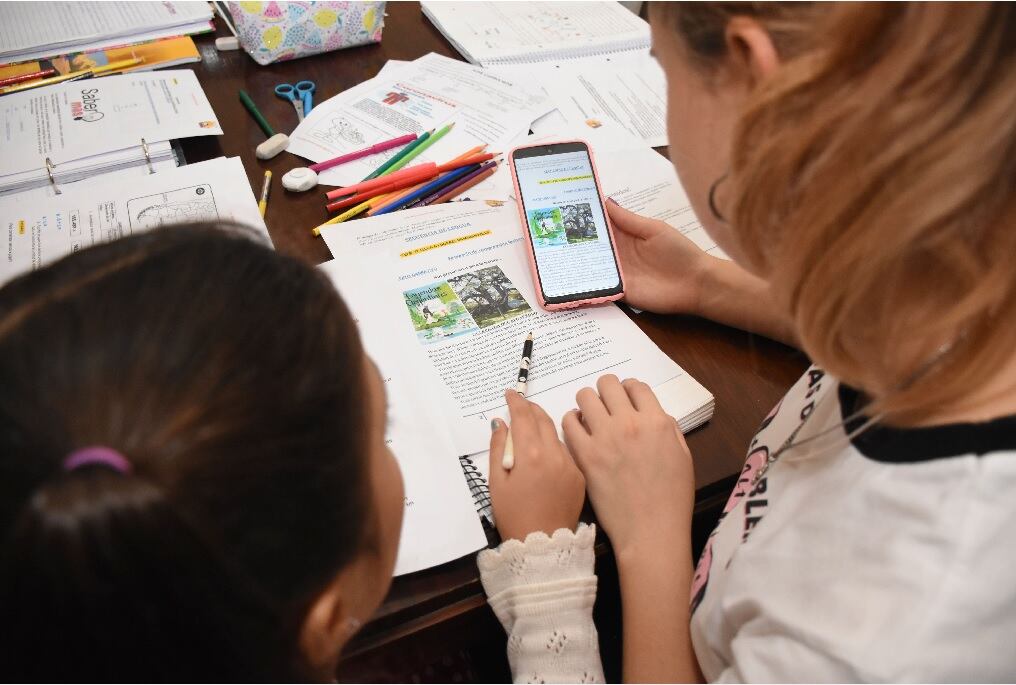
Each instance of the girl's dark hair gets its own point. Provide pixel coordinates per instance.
(231, 377)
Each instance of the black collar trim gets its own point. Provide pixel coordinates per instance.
(909, 445)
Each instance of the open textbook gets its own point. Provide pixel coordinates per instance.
(413, 97)
(448, 289)
(38, 231)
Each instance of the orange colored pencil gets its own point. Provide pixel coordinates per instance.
(383, 200)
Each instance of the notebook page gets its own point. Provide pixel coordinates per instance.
(508, 32)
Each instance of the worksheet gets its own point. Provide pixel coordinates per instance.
(629, 90)
(422, 95)
(440, 521)
(78, 119)
(450, 290)
(35, 233)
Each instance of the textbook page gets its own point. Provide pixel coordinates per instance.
(439, 522)
(33, 234)
(77, 119)
(489, 33)
(422, 95)
(451, 288)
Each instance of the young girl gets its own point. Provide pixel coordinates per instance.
(194, 484)
(858, 163)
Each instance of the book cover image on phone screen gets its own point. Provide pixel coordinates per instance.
(566, 223)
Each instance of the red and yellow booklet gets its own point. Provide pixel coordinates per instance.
(157, 54)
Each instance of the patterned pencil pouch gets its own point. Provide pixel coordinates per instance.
(278, 31)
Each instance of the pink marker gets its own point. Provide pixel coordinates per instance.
(372, 150)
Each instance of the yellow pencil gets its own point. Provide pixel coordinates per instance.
(263, 203)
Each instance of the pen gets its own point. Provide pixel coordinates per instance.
(521, 386)
(256, 113)
(263, 203)
(11, 80)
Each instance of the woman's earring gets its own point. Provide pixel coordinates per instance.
(712, 197)
(352, 625)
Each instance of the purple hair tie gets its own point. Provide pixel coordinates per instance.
(105, 456)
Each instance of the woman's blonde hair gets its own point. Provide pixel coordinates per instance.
(873, 181)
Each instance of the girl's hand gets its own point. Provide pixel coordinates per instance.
(544, 490)
(637, 466)
(663, 270)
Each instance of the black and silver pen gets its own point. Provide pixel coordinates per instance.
(521, 386)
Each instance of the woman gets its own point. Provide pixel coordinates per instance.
(858, 163)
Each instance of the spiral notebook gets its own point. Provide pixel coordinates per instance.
(505, 33)
(479, 488)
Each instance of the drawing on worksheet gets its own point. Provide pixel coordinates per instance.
(337, 130)
(489, 296)
(437, 313)
(181, 205)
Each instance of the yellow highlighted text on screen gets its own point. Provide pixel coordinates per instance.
(444, 243)
(565, 179)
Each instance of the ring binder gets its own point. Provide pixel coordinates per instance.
(49, 171)
(148, 156)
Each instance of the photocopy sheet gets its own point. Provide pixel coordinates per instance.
(421, 95)
(449, 288)
(77, 119)
(39, 231)
(629, 90)
(440, 522)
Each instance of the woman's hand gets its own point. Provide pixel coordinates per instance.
(663, 270)
(545, 489)
(636, 464)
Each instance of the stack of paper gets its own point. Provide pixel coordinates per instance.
(37, 30)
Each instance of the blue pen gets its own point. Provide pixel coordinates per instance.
(427, 189)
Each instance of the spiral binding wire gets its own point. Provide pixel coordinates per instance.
(478, 488)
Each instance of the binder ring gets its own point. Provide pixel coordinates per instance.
(148, 156)
(52, 179)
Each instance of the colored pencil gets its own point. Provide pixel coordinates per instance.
(484, 172)
(377, 201)
(395, 184)
(373, 149)
(383, 169)
(256, 113)
(385, 199)
(11, 80)
(431, 187)
(375, 182)
(422, 146)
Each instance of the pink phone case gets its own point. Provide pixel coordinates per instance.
(529, 241)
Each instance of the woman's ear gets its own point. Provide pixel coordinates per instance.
(753, 57)
(327, 627)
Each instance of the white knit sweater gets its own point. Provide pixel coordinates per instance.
(542, 590)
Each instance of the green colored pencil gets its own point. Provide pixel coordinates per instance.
(418, 150)
(387, 166)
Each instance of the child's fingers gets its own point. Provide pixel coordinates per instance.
(498, 440)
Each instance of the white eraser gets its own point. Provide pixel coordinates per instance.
(227, 43)
(299, 179)
(272, 146)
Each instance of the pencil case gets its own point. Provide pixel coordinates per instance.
(279, 31)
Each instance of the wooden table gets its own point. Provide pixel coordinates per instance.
(440, 614)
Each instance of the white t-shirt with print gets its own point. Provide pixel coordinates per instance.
(891, 557)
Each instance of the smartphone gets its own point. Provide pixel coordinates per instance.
(571, 246)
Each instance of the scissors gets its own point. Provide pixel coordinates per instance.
(302, 92)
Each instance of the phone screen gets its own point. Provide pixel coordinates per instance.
(564, 214)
